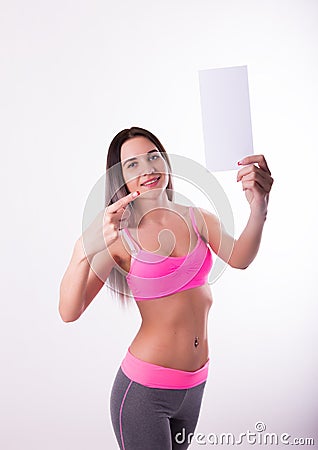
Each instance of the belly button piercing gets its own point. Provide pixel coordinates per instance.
(196, 341)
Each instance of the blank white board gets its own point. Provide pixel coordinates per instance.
(226, 117)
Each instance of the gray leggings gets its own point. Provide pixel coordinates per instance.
(146, 418)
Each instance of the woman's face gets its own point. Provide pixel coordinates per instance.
(144, 169)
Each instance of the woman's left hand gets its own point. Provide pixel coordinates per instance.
(256, 181)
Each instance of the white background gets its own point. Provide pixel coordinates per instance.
(73, 74)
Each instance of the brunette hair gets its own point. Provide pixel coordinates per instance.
(115, 188)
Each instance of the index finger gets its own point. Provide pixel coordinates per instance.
(122, 202)
(259, 159)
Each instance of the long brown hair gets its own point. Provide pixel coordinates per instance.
(115, 188)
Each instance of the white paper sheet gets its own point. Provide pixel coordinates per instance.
(226, 117)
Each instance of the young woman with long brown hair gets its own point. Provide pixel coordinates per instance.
(159, 251)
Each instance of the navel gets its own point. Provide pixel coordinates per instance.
(196, 341)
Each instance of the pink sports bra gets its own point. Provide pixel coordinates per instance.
(152, 275)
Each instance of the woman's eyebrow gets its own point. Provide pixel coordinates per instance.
(133, 158)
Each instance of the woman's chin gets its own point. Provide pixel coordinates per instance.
(151, 193)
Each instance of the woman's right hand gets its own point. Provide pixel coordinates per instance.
(103, 231)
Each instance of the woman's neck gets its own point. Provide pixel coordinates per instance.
(150, 210)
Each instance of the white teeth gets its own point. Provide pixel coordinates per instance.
(151, 182)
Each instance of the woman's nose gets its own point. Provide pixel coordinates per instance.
(147, 167)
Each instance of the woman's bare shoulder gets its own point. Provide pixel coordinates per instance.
(199, 213)
(183, 210)
(205, 219)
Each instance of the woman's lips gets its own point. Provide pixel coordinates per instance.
(153, 182)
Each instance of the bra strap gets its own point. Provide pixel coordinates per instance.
(193, 220)
(134, 247)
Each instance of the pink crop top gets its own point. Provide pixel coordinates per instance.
(152, 275)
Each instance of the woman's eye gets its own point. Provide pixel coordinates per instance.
(131, 164)
(134, 163)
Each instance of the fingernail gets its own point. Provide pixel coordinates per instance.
(239, 162)
(135, 194)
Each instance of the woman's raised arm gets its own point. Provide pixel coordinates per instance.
(257, 183)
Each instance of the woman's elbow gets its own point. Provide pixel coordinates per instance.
(67, 317)
(237, 265)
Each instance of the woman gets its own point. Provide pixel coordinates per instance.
(159, 251)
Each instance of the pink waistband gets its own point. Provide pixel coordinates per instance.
(155, 376)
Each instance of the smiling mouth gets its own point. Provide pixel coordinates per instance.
(150, 182)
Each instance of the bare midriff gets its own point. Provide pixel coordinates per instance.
(173, 332)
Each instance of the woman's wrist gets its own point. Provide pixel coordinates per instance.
(259, 214)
